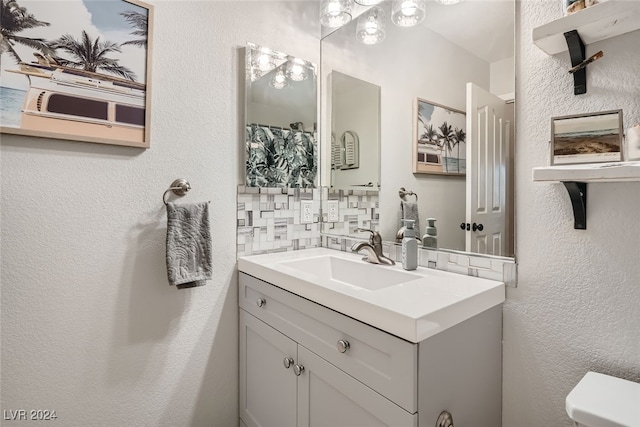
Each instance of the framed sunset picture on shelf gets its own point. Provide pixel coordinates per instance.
(439, 139)
(77, 70)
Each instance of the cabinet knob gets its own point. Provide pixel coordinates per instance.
(444, 420)
(288, 361)
(261, 302)
(343, 346)
(298, 370)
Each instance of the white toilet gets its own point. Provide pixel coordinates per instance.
(600, 400)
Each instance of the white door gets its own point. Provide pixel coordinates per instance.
(328, 397)
(267, 388)
(487, 144)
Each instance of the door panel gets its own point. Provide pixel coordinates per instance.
(328, 397)
(486, 171)
(267, 388)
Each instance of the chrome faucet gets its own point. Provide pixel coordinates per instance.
(373, 248)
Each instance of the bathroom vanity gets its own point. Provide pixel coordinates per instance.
(329, 340)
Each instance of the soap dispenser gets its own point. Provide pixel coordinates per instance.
(409, 246)
(430, 239)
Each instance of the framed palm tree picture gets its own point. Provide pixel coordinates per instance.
(77, 70)
(439, 139)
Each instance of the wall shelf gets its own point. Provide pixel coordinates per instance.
(593, 172)
(576, 177)
(604, 20)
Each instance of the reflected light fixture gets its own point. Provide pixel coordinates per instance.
(297, 70)
(279, 80)
(264, 62)
(407, 13)
(335, 13)
(370, 28)
(447, 2)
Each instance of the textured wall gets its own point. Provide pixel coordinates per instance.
(90, 326)
(576, 305)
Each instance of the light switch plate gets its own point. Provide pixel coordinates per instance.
(306, 212)
(334, 211)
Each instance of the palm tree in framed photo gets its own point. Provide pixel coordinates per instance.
(446, 138)
(459, 136)
(91, 55)
(14, 20)
(138, 21)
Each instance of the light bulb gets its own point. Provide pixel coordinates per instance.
(407, 13)
(447, 2)
(296, 70)
(370, 28)
(335, 13)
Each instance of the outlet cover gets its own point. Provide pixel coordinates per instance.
(334, 211)
(306, 212)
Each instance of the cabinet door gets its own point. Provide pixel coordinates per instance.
(267, 387)
(328, 397)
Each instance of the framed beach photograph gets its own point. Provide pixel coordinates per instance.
(587, 138)
(77, 70)
(439, 139)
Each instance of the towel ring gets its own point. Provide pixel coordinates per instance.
(404, 193)
(180, 187)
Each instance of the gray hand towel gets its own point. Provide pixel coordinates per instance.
(410, 211)
(188, 245)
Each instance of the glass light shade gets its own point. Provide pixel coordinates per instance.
(279, 80)
(335, 13)
(297, 70)
(448, 1)
(407, 13)
(368, 2)
(264, 62)
(370, 28)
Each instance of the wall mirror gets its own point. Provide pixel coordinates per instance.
(460, 58)
(355, 132)
(281, 119)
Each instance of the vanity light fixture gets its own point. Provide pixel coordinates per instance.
(335, 13)
(296, 70)
(448, 2)
(279, 80)
(370, 28)
(407, 13)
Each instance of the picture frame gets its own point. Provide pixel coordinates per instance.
(79, 70)
(587, 138)
(439, 139)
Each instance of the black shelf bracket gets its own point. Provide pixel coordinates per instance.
(578, 194)
(577, 55)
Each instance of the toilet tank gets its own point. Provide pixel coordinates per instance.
(600, 400)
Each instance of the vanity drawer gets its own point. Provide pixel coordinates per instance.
(382, 361)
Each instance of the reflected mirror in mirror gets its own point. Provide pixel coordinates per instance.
(281, 119)
(460, 56)
(355, 133)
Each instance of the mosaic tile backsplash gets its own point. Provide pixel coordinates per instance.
(268, 220)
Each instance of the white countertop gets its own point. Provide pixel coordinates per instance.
(413, 310)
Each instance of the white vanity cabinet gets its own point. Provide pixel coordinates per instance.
(302, 364)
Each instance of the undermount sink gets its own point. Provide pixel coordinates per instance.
(354, 273)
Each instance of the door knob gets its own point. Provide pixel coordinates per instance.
(260, 302)
(465, 226)
(288, 361)
(478, 227)
(298, 370)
